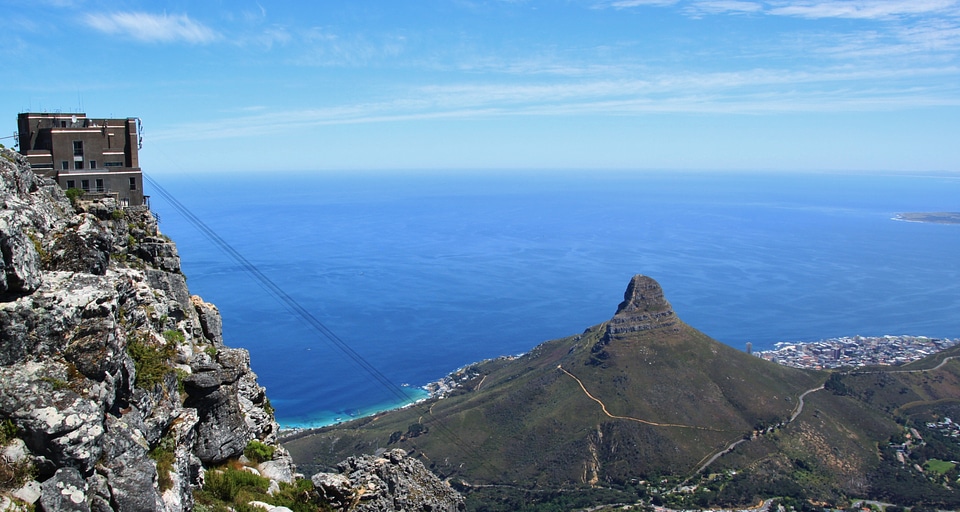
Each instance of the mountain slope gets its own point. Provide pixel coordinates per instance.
(641, 395)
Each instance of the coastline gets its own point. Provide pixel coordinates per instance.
(456, 379)
(327, 418)
(438, 389)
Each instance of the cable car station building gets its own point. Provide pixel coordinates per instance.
(98, 156)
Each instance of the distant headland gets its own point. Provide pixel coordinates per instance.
(931, 217)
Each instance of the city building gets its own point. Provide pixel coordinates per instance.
(98, 156)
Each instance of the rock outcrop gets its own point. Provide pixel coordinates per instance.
(116, 389)
(643, 308)
(114, 381)
(390, 481)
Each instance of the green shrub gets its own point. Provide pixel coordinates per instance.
(151, 362)
(74, 195)
(173, 336)
(258, 452)
(57, 384)
(226, 484)
(230, 489)
(164, 455)
(38, 245)
(117, 215)
(8, 432)
(181, 377)
(15, 474)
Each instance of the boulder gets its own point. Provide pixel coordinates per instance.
(21, 261)
(388, 482)
(66, 491)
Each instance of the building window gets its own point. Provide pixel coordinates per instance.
(64, 165)
(113, 164)
(78, 164)
(85, 185)
(78, 148)
(133, 183)
(71, 184)
(100, 185)
(93, 164)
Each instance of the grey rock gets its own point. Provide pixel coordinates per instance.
(28, 492)
(161, 253)
(391, 482)
(81, 247)
(66, 491)
(335, 488)
(58, 424)
(175, 286)
(21, 261)
(211, 322)
(281, 468)
(212, 389)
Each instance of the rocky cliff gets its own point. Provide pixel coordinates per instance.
(117, 390)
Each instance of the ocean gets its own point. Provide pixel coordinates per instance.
(421, 273)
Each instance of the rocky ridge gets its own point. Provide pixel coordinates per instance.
(116, 389)
(115, 380)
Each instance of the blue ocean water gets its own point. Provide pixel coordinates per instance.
(424, 272)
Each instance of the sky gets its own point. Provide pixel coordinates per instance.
(273, 86)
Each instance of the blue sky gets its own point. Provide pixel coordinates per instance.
(461, 84)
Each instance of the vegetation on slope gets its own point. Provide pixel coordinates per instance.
(657, 413)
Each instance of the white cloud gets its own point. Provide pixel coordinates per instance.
(164, 28)
(864, 9)
(748, 92)
(625, 4)
(725, 6)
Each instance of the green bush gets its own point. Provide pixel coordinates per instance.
(164, 455)
(151, 362)
(173, 336)
(8, 432)
(38, 245)
(74, 195)
(227, 484)
(230, 489)
(258, 452)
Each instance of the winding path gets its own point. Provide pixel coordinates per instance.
(705, 462)
(628, 418)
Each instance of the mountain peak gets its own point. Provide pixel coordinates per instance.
(643, 308)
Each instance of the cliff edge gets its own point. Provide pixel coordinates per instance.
(117, 390)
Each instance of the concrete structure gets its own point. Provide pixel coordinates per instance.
(98, 156)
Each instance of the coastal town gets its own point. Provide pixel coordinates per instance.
(855, 351)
